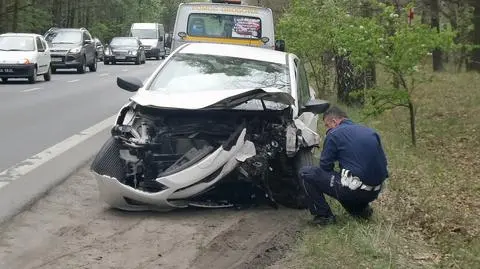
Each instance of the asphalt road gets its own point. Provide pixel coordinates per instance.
(34, 117)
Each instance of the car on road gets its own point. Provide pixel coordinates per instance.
(152, 36)
(72, 48)
(215, 125)
(24, 55)
(125, 49)
(100, 48)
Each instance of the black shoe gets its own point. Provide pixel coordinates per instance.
(323, 221)
(365, 213)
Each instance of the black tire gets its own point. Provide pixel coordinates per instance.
(48, 76)
(54, 70)
(4, 80)
(106, 62)
(304, 157)
(93, 66)
(83, 66)
(137, 61)
(33, 78)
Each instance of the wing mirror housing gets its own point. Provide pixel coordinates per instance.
(131, 84)
(315, 106)
(280, 45)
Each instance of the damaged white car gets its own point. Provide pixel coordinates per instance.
(214, 126)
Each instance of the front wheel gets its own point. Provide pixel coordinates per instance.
(33, 78)
(48, 76)
(83, 66)
(93, 66)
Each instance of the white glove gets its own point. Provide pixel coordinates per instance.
(347, 180)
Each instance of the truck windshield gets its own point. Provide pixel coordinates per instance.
(145, 33)
(221, 25)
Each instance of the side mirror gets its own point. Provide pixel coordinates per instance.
(316, 106)
(86, 42)
(131, 84)
(280, 45)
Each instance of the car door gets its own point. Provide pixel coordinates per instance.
(304, 94)
(42, 64)
(89, 47)
(48, 57)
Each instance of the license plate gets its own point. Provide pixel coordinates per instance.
(6, 70)
(56, 59)
(120, 57)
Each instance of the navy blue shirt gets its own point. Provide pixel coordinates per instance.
(356, 148)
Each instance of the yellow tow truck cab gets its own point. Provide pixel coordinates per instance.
(227, 22)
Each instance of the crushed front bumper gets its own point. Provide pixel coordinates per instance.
(180, 186)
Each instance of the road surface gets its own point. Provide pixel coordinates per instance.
(71, 228)
(37, 116)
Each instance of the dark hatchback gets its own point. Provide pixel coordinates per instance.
(124, 49)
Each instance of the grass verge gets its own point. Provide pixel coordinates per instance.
(429, 214)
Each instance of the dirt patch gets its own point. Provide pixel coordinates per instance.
(72, 228)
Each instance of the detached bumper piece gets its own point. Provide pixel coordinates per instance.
(16, 70)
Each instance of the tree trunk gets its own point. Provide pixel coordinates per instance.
(15, 16)
(435, 23)
(475, 56)
(413, 126)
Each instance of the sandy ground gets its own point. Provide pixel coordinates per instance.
(71, 228)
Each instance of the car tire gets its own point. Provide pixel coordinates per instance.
(33, 78)
(83, 66)
(48, 76)
(106, 62)
(54, 70)
(4, 80)
(137, 61)
(93, 66)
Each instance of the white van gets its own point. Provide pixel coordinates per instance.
(152, 36)
(224, 23)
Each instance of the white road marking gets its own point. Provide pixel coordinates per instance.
(24, 167)
(31, 90)
(75, 80)
(104, 74)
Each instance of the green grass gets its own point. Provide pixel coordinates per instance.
(429, 214)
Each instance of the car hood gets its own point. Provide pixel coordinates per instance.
(61, 46)
(149, 42)
(210, 99)
(123, 48)
(13, 57)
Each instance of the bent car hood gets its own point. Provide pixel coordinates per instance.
(210, 99)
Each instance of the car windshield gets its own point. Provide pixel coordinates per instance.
(198, 72)
(64, 37)
(17, 43)
(144, 33)
(124, 42)
(219, 25)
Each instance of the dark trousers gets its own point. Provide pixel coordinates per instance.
(317, 182)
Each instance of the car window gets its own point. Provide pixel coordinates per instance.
(199, 72)
(17, 43)
(221, 25)
(64, 37)
(86, 36)
(303, 87)
(145, 33)
(39, 44)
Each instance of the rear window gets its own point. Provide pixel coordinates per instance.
(221, 25)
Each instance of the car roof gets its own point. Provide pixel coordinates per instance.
(239, 51)
(21, 34)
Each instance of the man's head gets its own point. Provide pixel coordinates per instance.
(333, 117)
